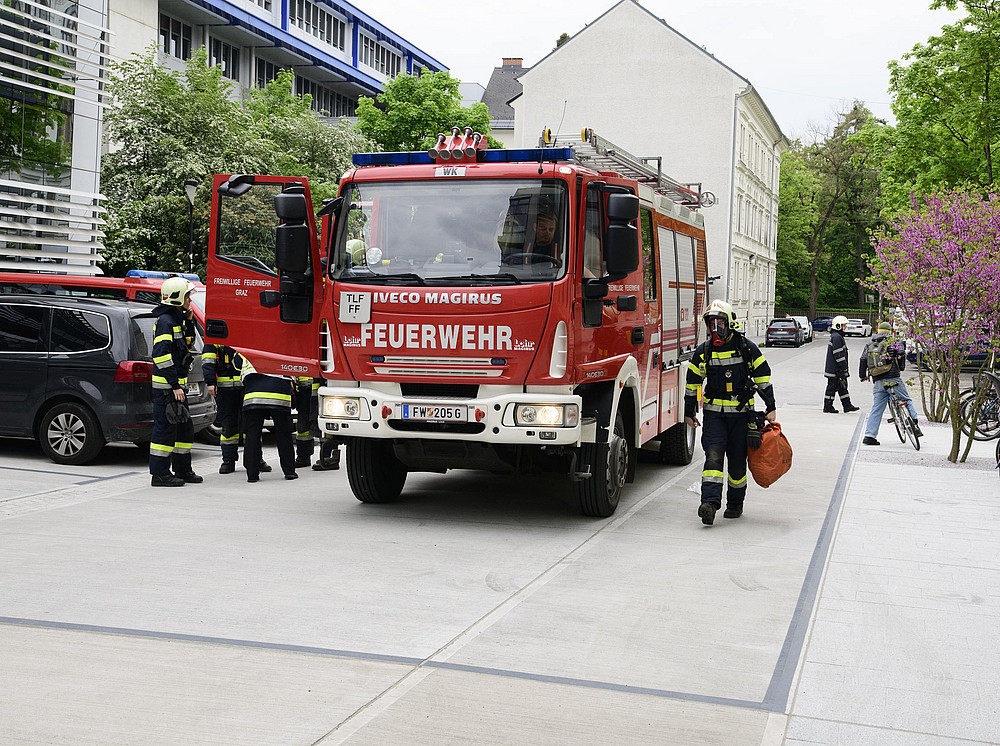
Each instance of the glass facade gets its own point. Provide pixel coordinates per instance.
(52, 66)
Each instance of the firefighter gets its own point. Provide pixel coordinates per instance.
(837, 369)
(733, 370)
(223, 380)
(173, 432)
(264, 396)
(307, 409)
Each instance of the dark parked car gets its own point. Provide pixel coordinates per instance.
(784, 331)
(822, 323)
(974, 361)
(75, 374)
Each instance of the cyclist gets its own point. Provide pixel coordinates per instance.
(880, 396)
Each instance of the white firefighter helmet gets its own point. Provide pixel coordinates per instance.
(720, 309)
(173, 290)
(839, 323)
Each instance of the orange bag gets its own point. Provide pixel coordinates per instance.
(773, 458)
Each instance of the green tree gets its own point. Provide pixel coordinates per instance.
(946, 107)
(412, 110)
(166, 127)
(826, 208)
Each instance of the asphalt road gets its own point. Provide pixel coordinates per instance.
(477, 609)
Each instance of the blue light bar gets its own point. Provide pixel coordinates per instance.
(420, 157)
(157, 275)
(528, 155)
(391, 159)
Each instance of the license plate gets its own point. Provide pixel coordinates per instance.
(437, 412)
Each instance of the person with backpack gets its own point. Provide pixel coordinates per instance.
(837, 371)
(882, 361)
(733, 370)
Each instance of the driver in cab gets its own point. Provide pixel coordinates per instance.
(541, 248)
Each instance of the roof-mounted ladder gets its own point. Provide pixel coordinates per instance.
(601, 154)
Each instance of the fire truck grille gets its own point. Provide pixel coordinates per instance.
(454, 428)
(439, 390)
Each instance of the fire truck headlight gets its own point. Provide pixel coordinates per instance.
(547, 415)
(341, 407)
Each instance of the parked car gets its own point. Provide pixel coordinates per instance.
(784, 331)
(140, 285)
(75, 374)
(859, 327)
(806, 327)
(822, 323)
(973, 362)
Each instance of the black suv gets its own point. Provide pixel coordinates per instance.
(75, 373)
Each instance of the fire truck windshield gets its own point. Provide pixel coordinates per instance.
(441, 232)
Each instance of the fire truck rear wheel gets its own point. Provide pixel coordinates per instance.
(374, 472)
(609, 464)
(677, 445)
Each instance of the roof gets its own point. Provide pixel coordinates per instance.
(503, 87)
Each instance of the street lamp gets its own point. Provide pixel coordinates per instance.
(191, 188)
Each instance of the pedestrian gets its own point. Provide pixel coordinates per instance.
(307, 420)
(266, 395)
(837, 369)
(173, 353)
(733, 371)
(888, 356)
(223, 380)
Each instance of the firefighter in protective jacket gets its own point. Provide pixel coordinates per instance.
(266, 395)
(837, 369)
(223, 380)
(733, 371)
(173, 432)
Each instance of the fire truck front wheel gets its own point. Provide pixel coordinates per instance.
(374, 472)
(609, 464)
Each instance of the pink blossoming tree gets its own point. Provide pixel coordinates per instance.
(940, 264)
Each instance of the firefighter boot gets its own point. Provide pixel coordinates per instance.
(228, 467)
(829, 408)
(733, 509)
(848, 407)
(706, 511)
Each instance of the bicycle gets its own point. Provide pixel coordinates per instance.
(987, 424)
(901, 417)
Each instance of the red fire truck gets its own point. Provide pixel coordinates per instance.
(514, 311)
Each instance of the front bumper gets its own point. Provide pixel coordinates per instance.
(489, 419)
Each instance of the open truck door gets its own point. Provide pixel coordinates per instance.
(265, 280)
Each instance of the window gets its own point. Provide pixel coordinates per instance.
(325, 100)
(593, 258)
(648, 254)
(175, 37)
(265, 73)
(265, 4)
(317, 22)
(21, 328)
(247, 229)
(225, 57)
(79, 331)
(377, 56)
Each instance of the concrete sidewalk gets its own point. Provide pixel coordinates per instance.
(903, 647)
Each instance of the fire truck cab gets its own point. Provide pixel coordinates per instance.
(515, 311)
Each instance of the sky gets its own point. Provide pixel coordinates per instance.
(809, 59)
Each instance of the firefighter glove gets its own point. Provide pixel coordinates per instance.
(755, 425)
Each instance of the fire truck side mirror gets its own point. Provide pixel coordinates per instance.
(621, 250)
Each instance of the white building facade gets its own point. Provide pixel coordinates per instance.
(668, 97)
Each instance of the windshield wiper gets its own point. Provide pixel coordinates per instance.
(403, 278)
(500, 276)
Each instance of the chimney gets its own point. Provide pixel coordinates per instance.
(512, 61)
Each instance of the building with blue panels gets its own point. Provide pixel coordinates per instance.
(337, 51)
(54, 58)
